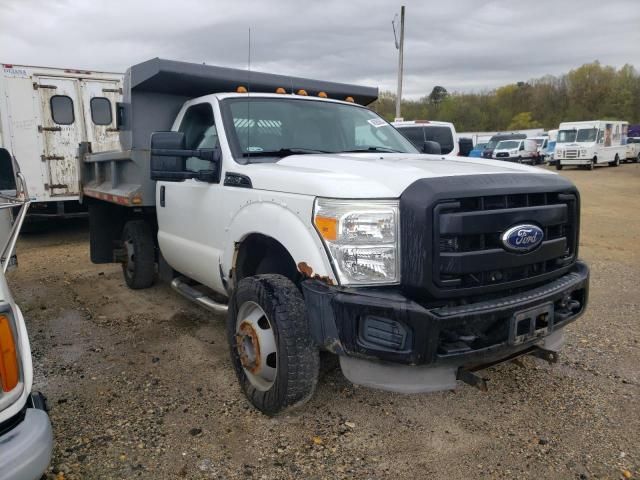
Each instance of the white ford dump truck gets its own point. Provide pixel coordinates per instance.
(318, 226)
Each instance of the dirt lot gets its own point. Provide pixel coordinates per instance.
(140, 383)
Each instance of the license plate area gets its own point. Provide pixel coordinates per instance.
(531, 323)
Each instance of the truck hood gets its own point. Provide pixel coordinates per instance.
(367, 175)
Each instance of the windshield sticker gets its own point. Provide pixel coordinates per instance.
(255, 149)
(377, 122)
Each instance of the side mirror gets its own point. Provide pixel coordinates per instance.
(166, 162)
(7, 171)
(431, 148)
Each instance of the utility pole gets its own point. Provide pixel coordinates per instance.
(400, 48)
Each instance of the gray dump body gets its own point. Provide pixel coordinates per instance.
(154, 92)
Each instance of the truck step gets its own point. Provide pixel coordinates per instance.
(183, 287)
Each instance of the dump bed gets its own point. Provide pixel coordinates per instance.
(154, 92)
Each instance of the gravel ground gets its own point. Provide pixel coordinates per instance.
(141, 386)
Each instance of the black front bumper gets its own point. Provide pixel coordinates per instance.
(383, 324)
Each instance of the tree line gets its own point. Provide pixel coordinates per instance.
(590, 92)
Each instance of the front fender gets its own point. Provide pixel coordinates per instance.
(289, 222)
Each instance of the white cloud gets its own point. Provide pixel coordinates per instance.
(462, 44)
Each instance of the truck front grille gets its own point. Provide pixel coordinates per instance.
(470, 254)
(571, 154)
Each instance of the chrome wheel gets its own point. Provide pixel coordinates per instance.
(256, 346)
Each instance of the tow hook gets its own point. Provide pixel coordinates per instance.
(548, 355)
(469, 376)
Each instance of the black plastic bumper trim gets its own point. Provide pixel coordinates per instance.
(334, 315)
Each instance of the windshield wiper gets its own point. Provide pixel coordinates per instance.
(283, 152)
(371, 149)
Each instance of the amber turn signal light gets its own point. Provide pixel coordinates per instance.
(327, 226)
(8, 356)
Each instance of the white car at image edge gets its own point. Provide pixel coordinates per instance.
(26, 438)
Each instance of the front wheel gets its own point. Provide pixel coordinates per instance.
(272, 352)
(637, 159)
(139, 266)
(558, 166)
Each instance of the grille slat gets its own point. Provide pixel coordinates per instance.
(499, 220)
(456, 263)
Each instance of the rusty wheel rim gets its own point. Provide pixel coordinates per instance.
(256, 346)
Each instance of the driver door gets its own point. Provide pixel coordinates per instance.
(190, 213)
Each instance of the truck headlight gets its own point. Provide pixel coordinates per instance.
(361, 237)
(583, 152)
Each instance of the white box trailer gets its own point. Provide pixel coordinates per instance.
(44, 114)
(591, 143)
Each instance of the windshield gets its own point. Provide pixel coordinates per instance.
(566, 136)
(587, 135)
(507, 144)
(264, 129)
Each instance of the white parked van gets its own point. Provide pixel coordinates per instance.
(633, 149)
(524, 150)
(44, 114)
(595, 142)
(420, 131)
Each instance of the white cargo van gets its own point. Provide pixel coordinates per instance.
(523, 150)
(44, 114)
(590, 143)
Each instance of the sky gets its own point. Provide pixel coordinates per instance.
(463, 45)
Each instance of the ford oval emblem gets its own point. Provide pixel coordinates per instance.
(522, 238)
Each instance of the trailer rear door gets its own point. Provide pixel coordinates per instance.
(99, 99)
(62, 125)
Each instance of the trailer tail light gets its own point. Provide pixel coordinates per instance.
(8, 356)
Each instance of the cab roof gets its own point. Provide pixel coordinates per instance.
(193, 80)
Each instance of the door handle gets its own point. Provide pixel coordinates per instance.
(162, 195)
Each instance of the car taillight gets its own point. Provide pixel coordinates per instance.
(9, 373)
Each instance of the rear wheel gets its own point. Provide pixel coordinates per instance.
(591, 164)
(139, 266)
(272, 352)
(616, 161)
